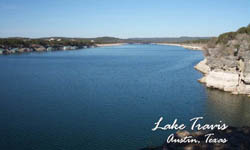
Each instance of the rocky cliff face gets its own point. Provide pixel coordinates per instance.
(227, 62)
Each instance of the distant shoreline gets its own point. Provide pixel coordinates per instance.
(41, 48)
(187, 46)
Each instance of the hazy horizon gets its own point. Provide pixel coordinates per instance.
(121, 19)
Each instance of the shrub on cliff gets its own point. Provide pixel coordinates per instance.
(244, 30)
(224, 38)
(231, 44)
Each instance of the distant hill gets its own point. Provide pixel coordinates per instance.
(146, 40)
(168, 39)
(107, 39)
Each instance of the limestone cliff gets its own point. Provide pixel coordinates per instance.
(227, 62)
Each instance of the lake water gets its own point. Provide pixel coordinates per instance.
(105, 98)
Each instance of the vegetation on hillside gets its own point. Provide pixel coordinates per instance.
(199, 41)
(229, 44)
(224, 38)
(9, 43)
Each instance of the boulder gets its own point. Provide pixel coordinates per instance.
(227, 81)
(203, 67)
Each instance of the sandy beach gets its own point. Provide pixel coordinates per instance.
(187, 46)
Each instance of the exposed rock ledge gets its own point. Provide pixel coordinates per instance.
(235, 81)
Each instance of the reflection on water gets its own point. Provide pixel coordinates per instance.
(232, 109)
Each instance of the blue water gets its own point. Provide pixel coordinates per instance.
(105, 98)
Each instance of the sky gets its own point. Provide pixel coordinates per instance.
(121, 18)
